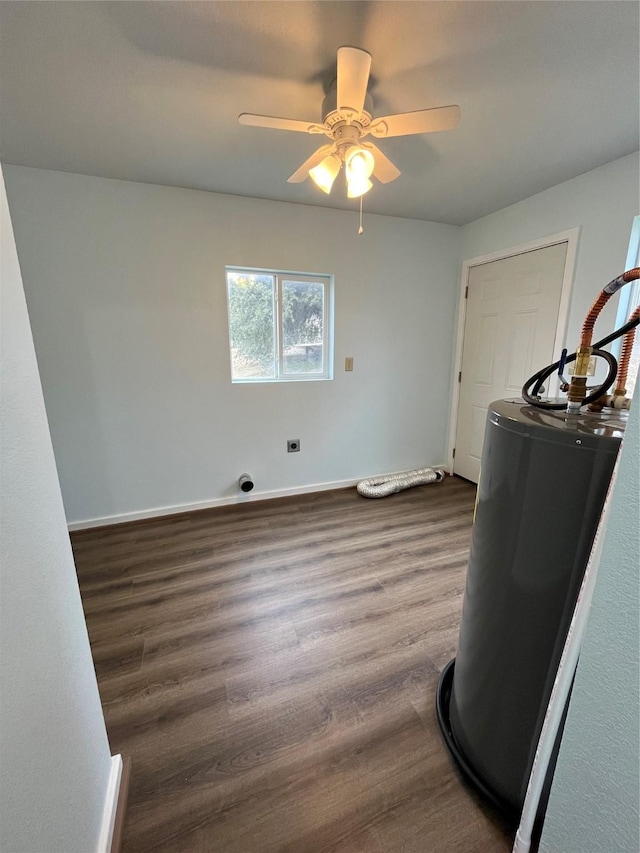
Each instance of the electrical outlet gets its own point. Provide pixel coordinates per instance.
(348, 364)
(293, 445)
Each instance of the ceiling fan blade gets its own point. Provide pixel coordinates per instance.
(383, 169)
(421, 121)
(276, 123)
(353, 76)
(303, 172)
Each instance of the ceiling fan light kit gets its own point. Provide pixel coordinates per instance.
(325, 173)
(358, 187)
(358, 164)
(347, 117)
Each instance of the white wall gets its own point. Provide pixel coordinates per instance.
(126, 292)
(602, 203)
(55, 762)
(125, 285)
(595, 795)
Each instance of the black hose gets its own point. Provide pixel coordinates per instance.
(617, 334)
(537, 380)
(543, 375)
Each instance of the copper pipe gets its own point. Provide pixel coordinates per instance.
(578, 386)
(604, 296)
(625, 355)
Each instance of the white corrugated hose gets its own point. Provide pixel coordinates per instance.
(380, 487)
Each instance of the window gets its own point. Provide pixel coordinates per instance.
(629, 298)
(279, 325)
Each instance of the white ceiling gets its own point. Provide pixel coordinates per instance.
(151, 91)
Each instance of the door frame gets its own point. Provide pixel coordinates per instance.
(570, 237)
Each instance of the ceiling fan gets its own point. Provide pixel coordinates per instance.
(347, 119)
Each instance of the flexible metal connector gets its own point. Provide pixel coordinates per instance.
(603, 297)
(616, 283)
(578, 386)
(380, 487)
(625, 357)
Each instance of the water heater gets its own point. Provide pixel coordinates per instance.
(543, 481)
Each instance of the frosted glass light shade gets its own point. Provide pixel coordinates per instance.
(359, 165)
(358, 186)
(324, 174)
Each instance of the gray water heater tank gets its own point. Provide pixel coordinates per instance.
(543, 481)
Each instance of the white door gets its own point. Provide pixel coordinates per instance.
(509, 332)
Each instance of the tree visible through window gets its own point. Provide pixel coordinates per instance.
(278, 325)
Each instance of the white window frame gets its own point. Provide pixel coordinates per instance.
(629, 296)
(280, 276)
(630, 293)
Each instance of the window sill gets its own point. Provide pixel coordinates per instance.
(282, 381)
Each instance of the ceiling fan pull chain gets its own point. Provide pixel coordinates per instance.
(360, 229)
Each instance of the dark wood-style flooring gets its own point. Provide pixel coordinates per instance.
(271, 667)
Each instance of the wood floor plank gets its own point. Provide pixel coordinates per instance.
(271, 668)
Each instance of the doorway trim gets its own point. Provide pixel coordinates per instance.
(570, 237)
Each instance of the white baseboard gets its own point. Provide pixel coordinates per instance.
(110, 804)
(157, 512)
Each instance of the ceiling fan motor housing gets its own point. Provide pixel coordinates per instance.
(332, 116)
